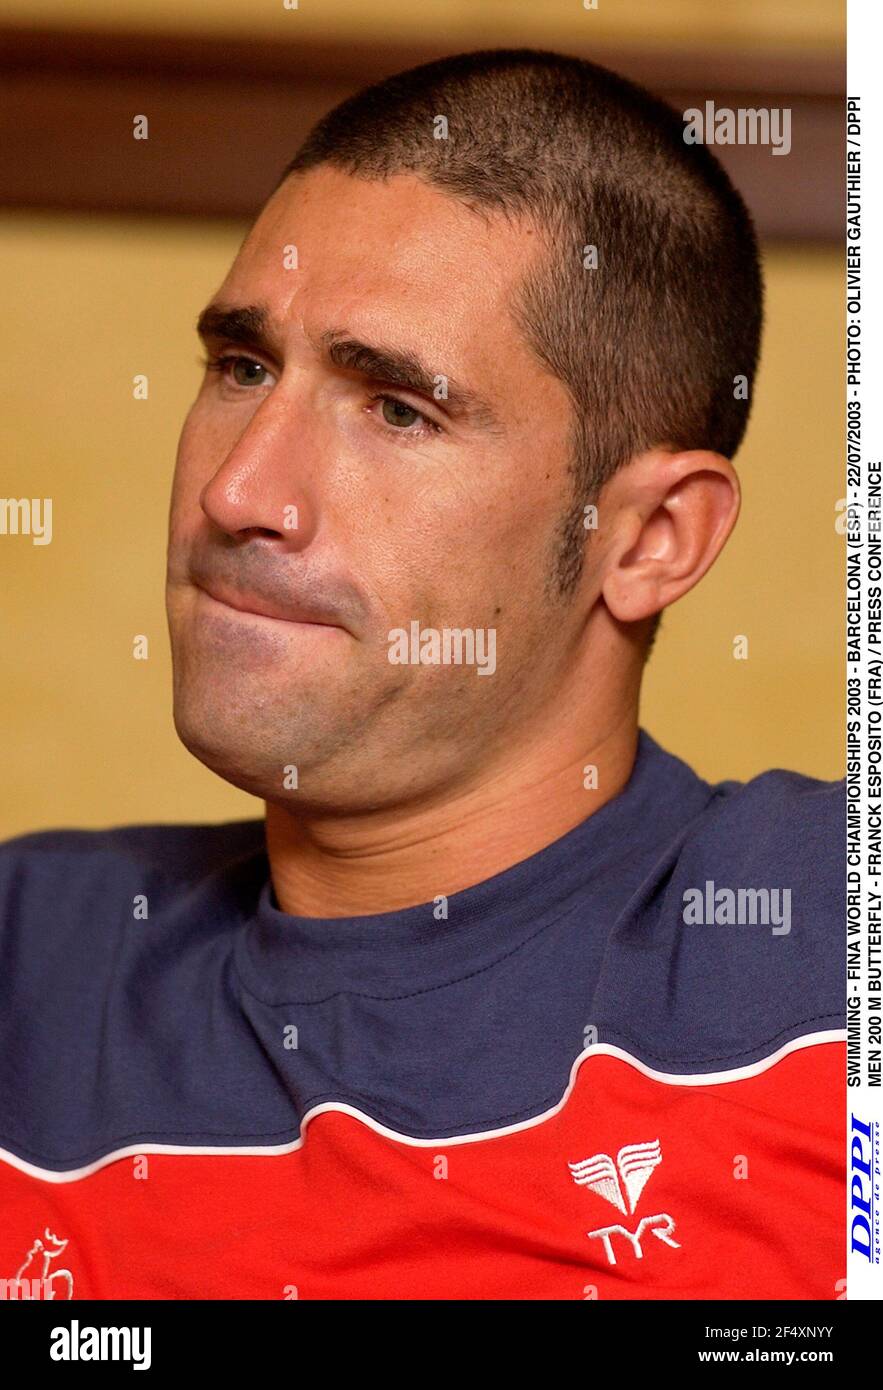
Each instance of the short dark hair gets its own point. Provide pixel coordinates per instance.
(650, 342)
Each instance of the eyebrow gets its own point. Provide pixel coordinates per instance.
(249, 325)
(399, 367)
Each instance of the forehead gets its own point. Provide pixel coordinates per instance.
(387, 255)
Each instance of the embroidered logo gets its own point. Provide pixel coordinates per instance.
(33, 1281)
(621, 1183)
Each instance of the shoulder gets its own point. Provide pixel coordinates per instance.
(760, 892)
(83, 876)
(113, 955)
(175, 845)
(734, 948)
(778, 829)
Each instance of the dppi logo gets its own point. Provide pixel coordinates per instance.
(35, 1282)
(631, 1171)
(864, 1169)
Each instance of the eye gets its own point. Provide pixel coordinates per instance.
(242, 371)
(404, 418)
(396, 412)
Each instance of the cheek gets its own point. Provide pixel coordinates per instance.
(461, 552)
(202, 448)
(188, 480)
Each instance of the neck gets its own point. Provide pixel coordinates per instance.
(396, 858)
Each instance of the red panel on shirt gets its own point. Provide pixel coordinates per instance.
(744, 1198)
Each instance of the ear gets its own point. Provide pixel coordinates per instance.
(670, 517)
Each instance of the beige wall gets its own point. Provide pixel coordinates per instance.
(88, 738)
(780, 579)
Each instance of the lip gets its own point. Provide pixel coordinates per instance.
(251, 606)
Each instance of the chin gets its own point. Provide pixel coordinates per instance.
(219, 749)
(246, 742)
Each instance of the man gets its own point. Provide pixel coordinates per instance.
(502, 1000)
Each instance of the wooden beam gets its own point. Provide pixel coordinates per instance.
(226, 116)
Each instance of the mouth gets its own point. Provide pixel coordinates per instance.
(248, 606)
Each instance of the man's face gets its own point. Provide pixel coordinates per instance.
(325, 496)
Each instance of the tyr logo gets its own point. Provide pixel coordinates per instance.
(623, 1181)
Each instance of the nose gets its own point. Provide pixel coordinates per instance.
(259, 489)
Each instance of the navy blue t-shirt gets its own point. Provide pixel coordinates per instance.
(685, 937)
